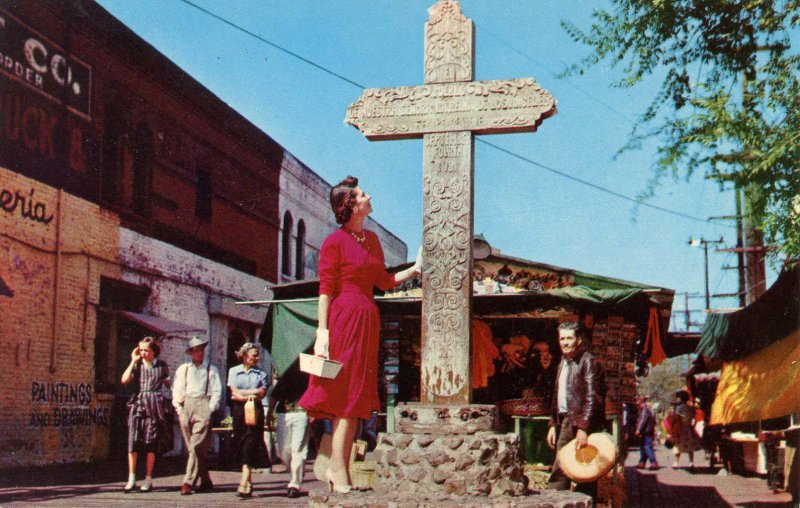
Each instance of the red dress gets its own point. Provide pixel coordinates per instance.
(348, 271)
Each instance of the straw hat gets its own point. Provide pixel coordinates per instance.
(592, 461)
(196, 341)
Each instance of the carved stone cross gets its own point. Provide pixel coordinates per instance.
(446, 112)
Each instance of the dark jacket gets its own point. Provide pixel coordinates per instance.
(645, 422)
(586, 393)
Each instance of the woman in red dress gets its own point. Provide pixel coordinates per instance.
(351, 264)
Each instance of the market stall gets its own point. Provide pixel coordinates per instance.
(757, 400)
(517, 307)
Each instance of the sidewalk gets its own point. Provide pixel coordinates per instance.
(101, 484)
(700, 487)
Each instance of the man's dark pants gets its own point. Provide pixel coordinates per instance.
(558, 480)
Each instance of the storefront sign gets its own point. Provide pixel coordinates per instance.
(29, 58)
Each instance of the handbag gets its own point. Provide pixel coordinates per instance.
(250, 418)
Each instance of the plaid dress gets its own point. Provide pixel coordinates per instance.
(149, 412)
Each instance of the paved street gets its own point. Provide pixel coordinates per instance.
(700, 487)
(101, 485)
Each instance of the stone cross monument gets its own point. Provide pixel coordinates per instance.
(447, 111)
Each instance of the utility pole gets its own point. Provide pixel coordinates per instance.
(702, 241)
(740, 248)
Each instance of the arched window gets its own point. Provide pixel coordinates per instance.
(142, 148)
(286, 247)
(300, 251)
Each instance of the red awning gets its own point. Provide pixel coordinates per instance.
(159, 325)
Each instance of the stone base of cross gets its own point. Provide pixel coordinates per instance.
(447, 112)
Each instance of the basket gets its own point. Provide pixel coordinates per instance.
(319, 366)
(362, 474)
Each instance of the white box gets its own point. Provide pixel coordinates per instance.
(319, 366)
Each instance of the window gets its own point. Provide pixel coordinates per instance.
(114, 135)
(300, 251)
(142, 148)
(286, 245)
(202, 207)
(115, 338)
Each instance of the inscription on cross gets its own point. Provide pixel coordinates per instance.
(447, 111)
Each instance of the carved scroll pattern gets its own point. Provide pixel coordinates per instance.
(515, 104)
(448, 44)
(447, 231)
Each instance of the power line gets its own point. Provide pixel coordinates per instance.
(595, 186)
(276, 46)
(524, 55)
(496, 147)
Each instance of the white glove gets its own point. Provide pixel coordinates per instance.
(417, 268)
(322, 343)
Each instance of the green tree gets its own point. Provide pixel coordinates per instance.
(729, 102)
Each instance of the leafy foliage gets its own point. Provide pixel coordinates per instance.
(729, 102)
(663, 381)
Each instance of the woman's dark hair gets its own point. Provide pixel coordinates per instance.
(342, 198)
(152, 344)
(683, 395)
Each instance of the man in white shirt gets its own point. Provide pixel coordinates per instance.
(196, 393)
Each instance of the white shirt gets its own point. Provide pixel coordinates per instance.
(563, 381)
(193, 384)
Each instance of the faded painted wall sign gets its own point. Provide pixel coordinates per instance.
(13, 201)
(41, 132)
(31, 59)
(70, 403)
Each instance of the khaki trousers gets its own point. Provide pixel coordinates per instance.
(196, 429)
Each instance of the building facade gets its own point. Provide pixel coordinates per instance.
(306, 219)
(133, 202)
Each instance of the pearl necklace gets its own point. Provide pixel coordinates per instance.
(360, 239)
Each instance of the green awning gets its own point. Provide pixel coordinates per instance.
(601, 296)
(769, 319)
(292, 332)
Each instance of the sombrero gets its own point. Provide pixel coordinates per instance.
(592, 461)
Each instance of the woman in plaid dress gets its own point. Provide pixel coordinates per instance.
(149, 416)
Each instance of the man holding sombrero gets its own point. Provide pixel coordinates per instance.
(578, 404)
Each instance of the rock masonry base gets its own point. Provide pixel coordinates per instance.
(543, 499)
(483, 463)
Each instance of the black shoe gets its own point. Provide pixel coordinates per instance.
(205, 485)
(293, 493)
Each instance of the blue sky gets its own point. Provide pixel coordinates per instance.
(521, 209)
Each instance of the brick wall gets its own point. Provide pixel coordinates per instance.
(54, 248)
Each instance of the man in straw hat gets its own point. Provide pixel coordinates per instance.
(196, 394)
(578, 404)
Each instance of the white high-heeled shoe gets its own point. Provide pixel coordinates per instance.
(336, 489)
